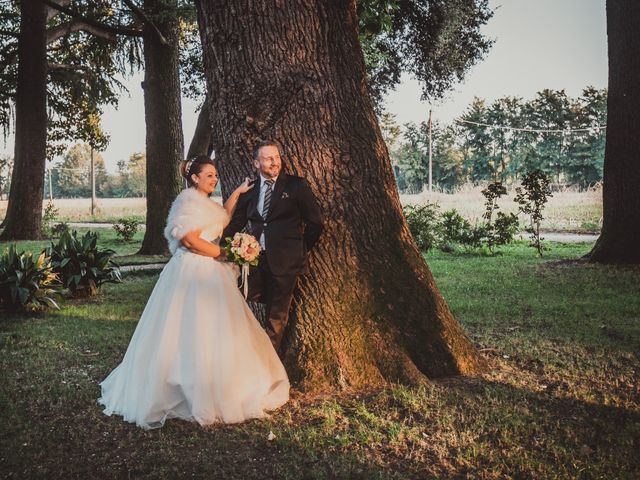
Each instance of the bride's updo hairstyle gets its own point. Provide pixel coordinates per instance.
(194, 166)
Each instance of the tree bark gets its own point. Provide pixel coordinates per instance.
(163, 117)
(201, 140)
(369, 312)
(620, 238)
(24, 211)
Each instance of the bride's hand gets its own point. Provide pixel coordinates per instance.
(245, 187)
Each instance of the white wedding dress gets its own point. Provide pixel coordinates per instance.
(198, 353)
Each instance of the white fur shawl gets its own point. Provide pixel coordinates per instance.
(192, 211)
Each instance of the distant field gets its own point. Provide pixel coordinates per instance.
(568, 210)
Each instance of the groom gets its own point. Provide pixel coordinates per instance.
(284, 216)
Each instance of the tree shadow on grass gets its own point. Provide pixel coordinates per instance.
(52, 427)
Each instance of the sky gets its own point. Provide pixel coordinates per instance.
(557, 44)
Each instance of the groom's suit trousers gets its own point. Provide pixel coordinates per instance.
(276, 292)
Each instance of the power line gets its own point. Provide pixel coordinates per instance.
(534, 130)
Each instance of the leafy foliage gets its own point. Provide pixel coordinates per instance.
(431, 229)
(423, 224)
(59, 228)
(477, 148)
(126, 228)
(436, 41)
(83, 67)
(48, 217)
(6, 166)
(531, 198)
(82, 267)
(456, 229)
(26, 283)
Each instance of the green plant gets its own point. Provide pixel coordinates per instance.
(26, 283)
(59, 228)
(454, 228)
(505, 228)
(492, 193)
(531, 197)
(48, 217)
(423, 224)
(82, 267)
(126, 228)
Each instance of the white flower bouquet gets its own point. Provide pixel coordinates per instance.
(243, 249)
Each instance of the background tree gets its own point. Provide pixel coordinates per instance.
(502, 141)
(412, 161)
(163, 119)
(620, 236)
(411, 158)
(585, 150)
(30, 124)
(73, 173)
(6, 164)
(130, 180)
(477, 142)
(436, 41)
(353, 326)
(66, 59)
(551, 110)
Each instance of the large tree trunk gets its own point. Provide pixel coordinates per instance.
(201, 140)
(163, 117)
(370, 311)
(24, 212)
(620, 238)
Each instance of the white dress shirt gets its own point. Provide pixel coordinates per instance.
(263, 189)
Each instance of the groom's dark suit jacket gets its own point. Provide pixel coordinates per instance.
(291, 227)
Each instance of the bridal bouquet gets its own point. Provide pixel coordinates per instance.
(243, 249)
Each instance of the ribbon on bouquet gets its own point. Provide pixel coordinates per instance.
(245, 279)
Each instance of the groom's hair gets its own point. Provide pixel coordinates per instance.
(263, 143)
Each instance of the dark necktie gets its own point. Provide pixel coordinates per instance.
(267, 198)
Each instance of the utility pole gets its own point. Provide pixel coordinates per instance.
(430, 163)
(93, 185)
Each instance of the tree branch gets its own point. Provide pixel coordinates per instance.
(9, 33)
(53, 67)
(115, 29)
(143, 16)
(60, 31)
(52, 12)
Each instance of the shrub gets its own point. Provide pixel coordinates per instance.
(59, 228)
(531, 197)
(126, 228)
(26, 283)
(81, 266)
(48, 217)
(476, 236)
(492, 193)
(505, 228)
(423, 224)
(454, 227)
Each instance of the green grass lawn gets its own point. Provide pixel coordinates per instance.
(562, 398)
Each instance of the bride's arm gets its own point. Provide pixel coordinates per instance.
(195, 244)
(232, 201)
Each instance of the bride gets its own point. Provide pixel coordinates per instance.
(197, 353)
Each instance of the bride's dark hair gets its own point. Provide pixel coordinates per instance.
(194, 166)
